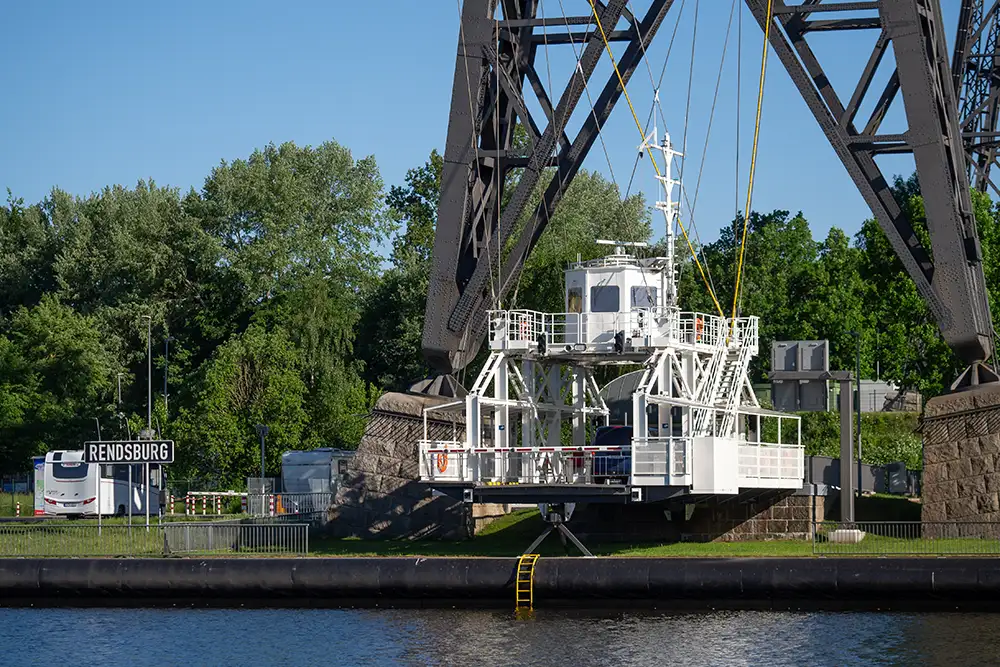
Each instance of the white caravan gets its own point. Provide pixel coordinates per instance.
(71, 486)
(314, 471)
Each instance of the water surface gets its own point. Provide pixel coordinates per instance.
(192, 637)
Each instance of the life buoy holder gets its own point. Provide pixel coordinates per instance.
(442, 461)
(699, 326)
(525, 329)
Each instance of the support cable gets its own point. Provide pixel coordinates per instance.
(656, 166)
(687, 102)
(739, 105)
(708, 134)
(753, 156)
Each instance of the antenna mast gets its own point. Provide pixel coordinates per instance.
(668, 206)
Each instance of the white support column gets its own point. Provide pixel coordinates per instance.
(688, 371)
(554, 374)
(663, 388)
(528, 416)
(579, 403)
(501, 414)
(473, 421)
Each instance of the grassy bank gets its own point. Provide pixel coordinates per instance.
(8, 503)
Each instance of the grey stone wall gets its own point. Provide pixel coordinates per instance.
(381, 497)
(961, 434)
(778, 516)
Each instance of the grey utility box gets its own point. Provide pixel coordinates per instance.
(800, 395)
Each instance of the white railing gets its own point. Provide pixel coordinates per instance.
(655, 461)
(444, 461)
(661, 461)
(594, 332)
(771, 466)
(450, 461)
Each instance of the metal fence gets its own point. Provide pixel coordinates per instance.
(236, 537)
(297, 504)
(52, 539)
(906, 538)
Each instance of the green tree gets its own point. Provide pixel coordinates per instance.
(56, 377)
(392, 322)
(592, 209)
(289, 211)
(254, 378)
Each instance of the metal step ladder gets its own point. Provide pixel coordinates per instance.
(524, 582)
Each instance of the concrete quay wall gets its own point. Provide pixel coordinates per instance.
(876, 583)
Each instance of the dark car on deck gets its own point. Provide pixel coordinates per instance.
(613, 467)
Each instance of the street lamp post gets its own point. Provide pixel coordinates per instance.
(857, 338)
(149, 372)
(166, 370)
(262, 431)
(148, 435)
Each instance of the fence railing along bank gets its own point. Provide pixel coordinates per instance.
(906, 538)
(50, 539)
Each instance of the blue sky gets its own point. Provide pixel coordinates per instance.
(112, 92)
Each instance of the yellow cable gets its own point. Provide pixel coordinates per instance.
(753, 158)
(656, 166)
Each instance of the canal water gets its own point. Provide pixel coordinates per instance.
(190, 638)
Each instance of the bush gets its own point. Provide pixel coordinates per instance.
(885, 437)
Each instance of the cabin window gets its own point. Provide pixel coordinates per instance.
(604, 299)
(575, 300)
(71, 470)
(644, 297)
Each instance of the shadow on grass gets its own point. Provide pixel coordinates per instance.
(509, 536)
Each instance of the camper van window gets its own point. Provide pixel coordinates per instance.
(575, 300)
(604, 299)
(644, 297)
(69, 470)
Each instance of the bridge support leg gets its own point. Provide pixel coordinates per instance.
(555, 516)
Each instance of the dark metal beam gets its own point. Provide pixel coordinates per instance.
(952, 284)
(558, 39)
(841, 24)
(806, 9)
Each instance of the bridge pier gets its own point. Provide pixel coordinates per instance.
(961, 433)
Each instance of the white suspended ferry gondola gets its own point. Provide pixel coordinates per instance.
(533, 417)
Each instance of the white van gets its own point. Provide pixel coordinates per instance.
(71, 486)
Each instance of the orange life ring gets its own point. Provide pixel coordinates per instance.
(525, 329)
(442, 461)
(699, 325)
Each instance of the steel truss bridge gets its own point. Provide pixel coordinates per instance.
(951, 110)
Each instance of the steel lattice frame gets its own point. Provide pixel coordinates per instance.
(480, 153)
(945, 145)
(975, 69)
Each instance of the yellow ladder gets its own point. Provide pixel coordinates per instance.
(524, 583)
